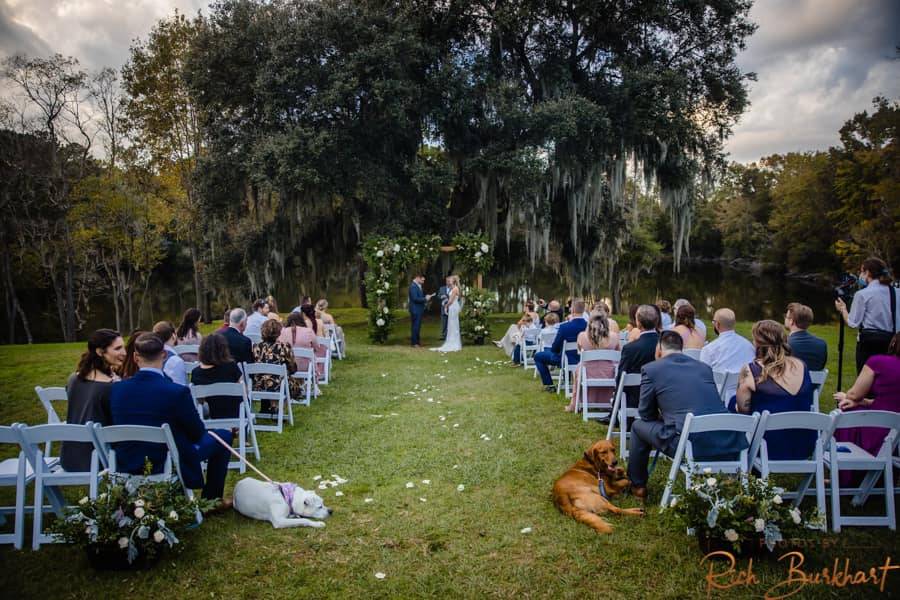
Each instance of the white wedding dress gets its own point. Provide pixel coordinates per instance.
(453, 343)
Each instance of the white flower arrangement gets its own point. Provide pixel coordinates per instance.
(385, 310)
(380, 254)
(396, 247)
(380, 322)
(731, 535)
(484, 248)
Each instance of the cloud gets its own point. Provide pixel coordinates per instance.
(18, 39)
(817, 62)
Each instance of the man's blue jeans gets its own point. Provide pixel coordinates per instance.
(543, 361)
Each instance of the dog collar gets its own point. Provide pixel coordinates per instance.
(601, 486)
(287, 492)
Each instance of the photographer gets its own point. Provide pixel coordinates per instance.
(873, 311)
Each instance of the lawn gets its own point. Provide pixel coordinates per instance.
(374, 427)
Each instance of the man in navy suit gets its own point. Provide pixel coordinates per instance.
(568, 332)
(149, 398)
(671, 387)
(239, 345)
(804, 345)
(417, 300)
(641, 351)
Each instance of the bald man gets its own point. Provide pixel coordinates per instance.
(729, 352)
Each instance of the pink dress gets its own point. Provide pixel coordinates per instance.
(597, 369)
(302, 337)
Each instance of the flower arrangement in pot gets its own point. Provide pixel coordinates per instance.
(131, 522)
(739, 514)
(478, 304)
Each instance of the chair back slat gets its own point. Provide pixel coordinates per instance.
(217, 389)
(49, 395)
(57, 432)
(186, 349)
(250, 369)
(306, 353)
(722, 422)
(610, 355)
(693, 353)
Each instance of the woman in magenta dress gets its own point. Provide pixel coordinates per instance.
(876, 388)
(596, 337)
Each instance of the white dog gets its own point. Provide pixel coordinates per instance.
(269, 502)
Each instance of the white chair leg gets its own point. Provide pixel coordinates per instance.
(835, 496)
(253, 440)
(38, 508)
(866, 487)
(820, 493)
(673, 474)
(889, 496)
(19, 531)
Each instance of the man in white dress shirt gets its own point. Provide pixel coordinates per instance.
(729, 352)
(255, 320)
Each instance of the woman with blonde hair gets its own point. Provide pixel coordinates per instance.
(777, 382)
(326, 318)
(273, 308)
(454, 302)
(597, 336)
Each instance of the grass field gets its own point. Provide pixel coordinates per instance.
(374, 427)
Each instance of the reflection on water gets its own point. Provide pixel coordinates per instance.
(707, 285)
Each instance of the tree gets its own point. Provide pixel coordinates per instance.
(163, 112)
(55, 99)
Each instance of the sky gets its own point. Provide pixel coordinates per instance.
(817, 61)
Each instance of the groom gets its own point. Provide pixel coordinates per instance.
(417, 300)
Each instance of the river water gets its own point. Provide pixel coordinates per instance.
(708, 286)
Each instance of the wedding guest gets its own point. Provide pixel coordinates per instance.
(601, 307)
(304, 300)
(568, 332)
(639, 352)
(875, 310)
(257, 318)
(633, 330)
(804, 345)
(665, 309)
(672, 386)
(239, 345)
(553, 307)
(513, 334)
(529, 309)
(777, 382)
(325, 317)
(188, 332)
(217, 366)
(148, 398)
(686, 327)
(698, 324)
(525, 324)
(274, 351)
(173, 366)
(273, 308)
(298, 334)
(596, 337)
(88, 393)
(729, 352)
(129, 366)
(551, 323)
(226, 323)
(309, 314)
(876, 388)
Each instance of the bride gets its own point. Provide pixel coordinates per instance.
(453, 342)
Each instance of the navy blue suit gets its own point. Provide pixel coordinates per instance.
(239, 345)
(568, 332)
(810, 349)
(635, 355)
(416, 310)
(148, 398)
(672, 387)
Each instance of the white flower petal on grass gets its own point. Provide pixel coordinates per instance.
(455, 425)
(455, 466)
(317, 477)
(426, 481)
(322, 486)
(368, 500)
(460, 488)
(500, 437)
(423, 500)
(339, 493)
(379, 575)
(384, 374)
(442, 418)
(410, 484)
(526, 530)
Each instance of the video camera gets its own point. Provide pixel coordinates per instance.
(846, 287)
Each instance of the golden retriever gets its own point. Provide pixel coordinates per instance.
(579, 493)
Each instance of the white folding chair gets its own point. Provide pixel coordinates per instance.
(282, 397)
(192, 350)
(529, 343)
(818, 379)
(243, 422)
(545, 341)
(847, 456)
(14, 472)
(189, 367)
(812, 467)
(308, 374)
(621, 412)
(623, 338)
(722, 422)
(585, 383)
(48, 478)
(724, 381)
(324, 360)
(107, 437)
(48, 396)
(567, 369)
(335, 343)
(693, 353)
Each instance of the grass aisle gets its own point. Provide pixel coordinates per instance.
(377, 429)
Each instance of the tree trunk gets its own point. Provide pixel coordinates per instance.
(198, 287)
(69, 334)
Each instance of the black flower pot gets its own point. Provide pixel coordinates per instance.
(113, 558)
(747, 549)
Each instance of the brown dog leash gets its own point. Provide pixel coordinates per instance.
(239, 457)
